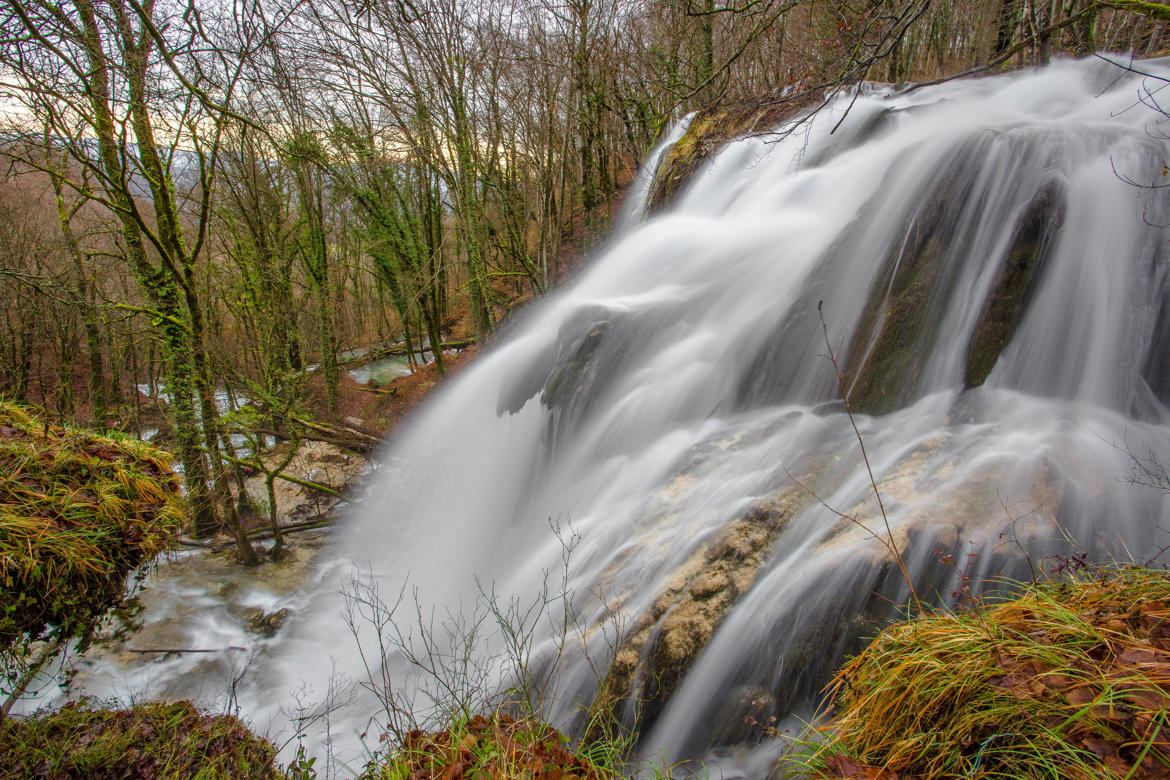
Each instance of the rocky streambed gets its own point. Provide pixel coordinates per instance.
(199, 620)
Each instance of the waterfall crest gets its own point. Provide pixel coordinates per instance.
(997, 294)
(634, 208)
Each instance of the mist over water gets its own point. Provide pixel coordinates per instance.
(996, 292)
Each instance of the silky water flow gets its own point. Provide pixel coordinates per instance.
(659, 459)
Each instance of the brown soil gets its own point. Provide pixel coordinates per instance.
(381, 409)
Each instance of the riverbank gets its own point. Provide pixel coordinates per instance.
(1068, 678)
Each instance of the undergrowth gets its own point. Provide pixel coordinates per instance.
(497, 747)
(1068, 680)
(163, 741)
(78, 512)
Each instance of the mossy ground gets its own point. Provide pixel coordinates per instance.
(78, 513)
(496, 747)
(160, 741)
(1070, 680)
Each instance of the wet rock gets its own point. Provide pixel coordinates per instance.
(939, 505)
(747, 715)
(1015, 281)
(952, 503)
(266, 624)
(907, 300)
(709, 131)
(1156, 369)
(664, 642)
(325, 464)
(595, 350)
(576, 374)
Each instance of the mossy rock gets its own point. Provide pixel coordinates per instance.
(78, 512)
(82, 741)
(665, 641)
(711, 129)
(1156, 367)
(1015, 281)
(842, 606)
(909, 298)
(907, 301)
(574, 377)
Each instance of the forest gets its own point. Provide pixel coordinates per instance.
(211, 212)
(206, 199)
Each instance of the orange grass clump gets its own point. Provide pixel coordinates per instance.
(1067, 680)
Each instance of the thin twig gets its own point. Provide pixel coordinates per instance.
(893, 545)
(851, 518)
(181, 650)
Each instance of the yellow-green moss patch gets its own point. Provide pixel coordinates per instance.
(163, 741)
(78, 512)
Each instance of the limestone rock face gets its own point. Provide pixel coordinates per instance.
(664, 641)
(320, 462)
(948, 519)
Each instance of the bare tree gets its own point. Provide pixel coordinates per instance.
(132, 108)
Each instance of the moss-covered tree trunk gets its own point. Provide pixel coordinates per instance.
(194, 366)
(263, 247)
(157, 283)
(82, 292)
(314, 251)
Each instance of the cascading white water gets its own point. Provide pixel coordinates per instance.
(634, 209)
(997, 294)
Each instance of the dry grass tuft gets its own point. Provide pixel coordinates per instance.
(78, 512)
(1069, 680)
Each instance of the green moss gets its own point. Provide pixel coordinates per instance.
(1153, 10)
(1005, 304)
(78, 513)
(901, 317)
(711, 129)
(890, 346)
(904, 312)
(82, 741)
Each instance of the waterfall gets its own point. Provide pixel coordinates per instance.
(994, 285)
(634, 208)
